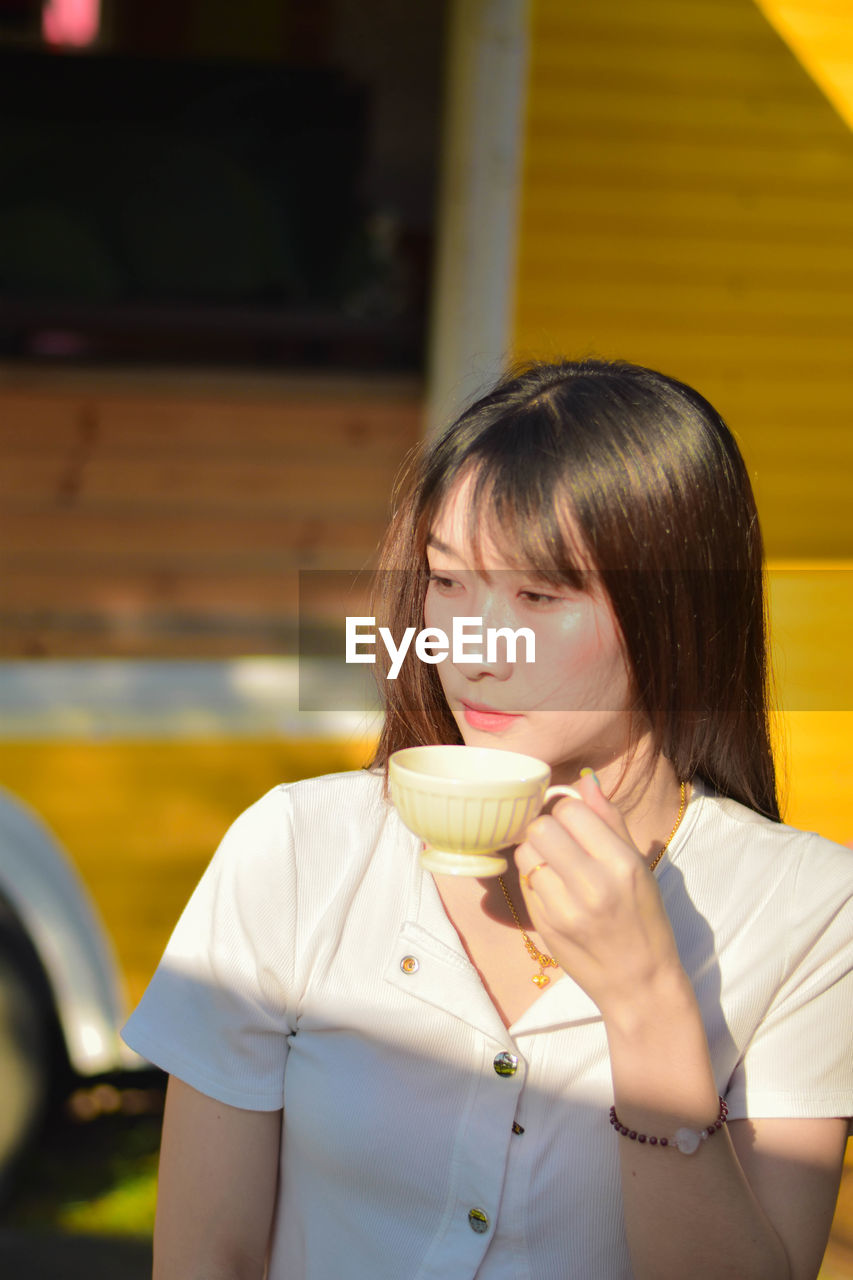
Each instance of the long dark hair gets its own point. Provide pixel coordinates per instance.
(657, 487)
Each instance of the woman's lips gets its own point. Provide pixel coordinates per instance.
(487, 719)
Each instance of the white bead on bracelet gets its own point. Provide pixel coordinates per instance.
(687, 1141)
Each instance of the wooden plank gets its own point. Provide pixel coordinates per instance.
(710, 256)
(185, 384)
(36, 637)
(37, 424)
(654, 331)
(672, 69)
(142, 518)
(655, 232)
(122, 594)
(120, 536)
(355, 488)
(126, 597)
(649, 116)
(719, 20)
(151, 634)
(680, 162)
(718, 290)
(689, 204)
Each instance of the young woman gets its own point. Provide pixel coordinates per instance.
(630, 1056)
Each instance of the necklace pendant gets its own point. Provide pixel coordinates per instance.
(541, 979)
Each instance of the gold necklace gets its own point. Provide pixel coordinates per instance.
(682, 806)
(544, 961)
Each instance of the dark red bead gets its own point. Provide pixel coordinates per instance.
(641, 1137)
(664, 1142)
(633, 1135)
(653, 1142)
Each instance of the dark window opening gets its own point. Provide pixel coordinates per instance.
(255, 192)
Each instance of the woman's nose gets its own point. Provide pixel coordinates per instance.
(489, 649)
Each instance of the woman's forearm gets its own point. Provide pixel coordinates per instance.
(693, 1214)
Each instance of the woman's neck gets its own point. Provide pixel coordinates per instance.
(650, 802)
(646, 792)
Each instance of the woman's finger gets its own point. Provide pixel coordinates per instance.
(595, 799)
(574, 834)
(550, 858)
(527, 876)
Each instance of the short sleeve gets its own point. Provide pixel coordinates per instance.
(799, 1062)
(218, 1012)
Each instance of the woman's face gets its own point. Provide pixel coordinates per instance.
(570, 706)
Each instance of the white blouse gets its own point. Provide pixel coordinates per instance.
(315, 969)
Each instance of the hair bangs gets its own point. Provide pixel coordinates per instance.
(526, 514)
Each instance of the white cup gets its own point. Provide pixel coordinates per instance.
(467, 802)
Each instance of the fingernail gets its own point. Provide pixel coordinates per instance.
(590, 773)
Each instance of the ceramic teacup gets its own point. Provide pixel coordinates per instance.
(467, 802)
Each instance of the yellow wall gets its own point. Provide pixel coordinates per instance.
(687, 202)
(820, 32)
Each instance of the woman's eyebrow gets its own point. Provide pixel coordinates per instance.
(440, 546)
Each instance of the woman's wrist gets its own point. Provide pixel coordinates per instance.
(683, 1139)
(649, 1007)
(659, 1058)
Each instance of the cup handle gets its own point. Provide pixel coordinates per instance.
(560, 790)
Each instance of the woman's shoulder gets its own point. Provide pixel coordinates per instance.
(759, 906)
(333, 793)
(305, 841)
(301, 842)
(316, 809)
(745, 845)
(756, 830)
(331, 820)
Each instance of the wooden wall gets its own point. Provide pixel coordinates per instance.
(153, 516)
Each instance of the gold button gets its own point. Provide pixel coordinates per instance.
(478, 1220)
(409, 964)
(506, 1064)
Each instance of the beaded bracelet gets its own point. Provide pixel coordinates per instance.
(684, 1140)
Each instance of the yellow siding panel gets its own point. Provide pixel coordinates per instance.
(687, 209)
(687, 202)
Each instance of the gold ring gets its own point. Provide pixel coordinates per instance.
(525, 880)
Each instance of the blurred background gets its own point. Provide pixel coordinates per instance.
(248, 255)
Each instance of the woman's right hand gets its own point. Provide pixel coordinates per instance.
(217, 1188)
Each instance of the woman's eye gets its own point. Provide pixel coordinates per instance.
(539, 598)
(441, 583)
